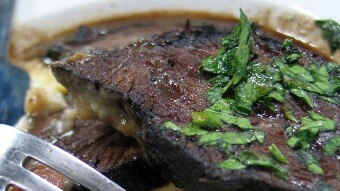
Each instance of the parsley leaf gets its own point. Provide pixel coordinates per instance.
(212, 138)
(208, 119)
(228, 137)
(303, 96)
(171, 126)
(260, 135)
(239, 84)
(248, 158)
(277, 154)
(320, 80)
(232, 164)
(251, 159)
(314, 167)
(311, 162)
(230, 64)
(214, 94)
(192, 129)
(309, 129)
(241, 57)
(223, 140)
(259, 83)
(289, 114)
(278, 94)
(332, 145)
(213, 117)
(287, 44)
(330, 32)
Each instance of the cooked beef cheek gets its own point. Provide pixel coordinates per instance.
(118, 157)
(138, 88)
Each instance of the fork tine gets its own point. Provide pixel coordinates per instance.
(72, 167)
(63, 162)
(28, 180)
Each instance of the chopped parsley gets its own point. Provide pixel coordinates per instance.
(231, 138)
(332, 145)
(223, 140)
(301, 94)
(314, 79)
(248, 158)
(230, 63)
(289, 114)
(232, 164)
(277, 154)
(314, 167)
(258, 84)
(311, 162)
(330, 32)
(309, 129)
(239, 84)
(214, 116)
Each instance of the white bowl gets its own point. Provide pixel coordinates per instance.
(37, 22)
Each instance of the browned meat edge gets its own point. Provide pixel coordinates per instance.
(159, 78)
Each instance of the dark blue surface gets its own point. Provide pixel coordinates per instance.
(14, 82)
(13, 85)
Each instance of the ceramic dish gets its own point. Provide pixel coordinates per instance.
(49, 23)
(33, 33)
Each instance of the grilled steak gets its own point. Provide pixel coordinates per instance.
(118, 157)
(138, 88)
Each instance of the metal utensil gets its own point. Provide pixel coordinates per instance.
(14, 82)
(16, 146)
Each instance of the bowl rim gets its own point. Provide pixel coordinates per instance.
(283, 19)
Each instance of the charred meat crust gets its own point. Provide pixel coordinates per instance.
(160, 78)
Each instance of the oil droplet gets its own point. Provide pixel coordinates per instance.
(123, 121)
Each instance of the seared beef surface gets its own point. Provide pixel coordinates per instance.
(118, 157)
(159, 78)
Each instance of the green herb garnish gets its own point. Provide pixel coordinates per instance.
(216, 138)
(231, 61)
(330, 32)
(289, 131)
(277, 154)
(320, 80)
(241, 56)
(214, 116)
(259, 135)
(301, 94)
(232, 164)
(287, 44)
(258, 84)
(311, 162)
(314, 167)
(239, 84)
(228, 68)
(332, 145)
(171, 126)
(278, 94)
(248, 158)
(289, 114)
(189, 130)
(230, 138)
(208, 119)
(309, 129)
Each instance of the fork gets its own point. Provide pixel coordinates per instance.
(16, 146)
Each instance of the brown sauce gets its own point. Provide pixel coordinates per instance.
(21, 51)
